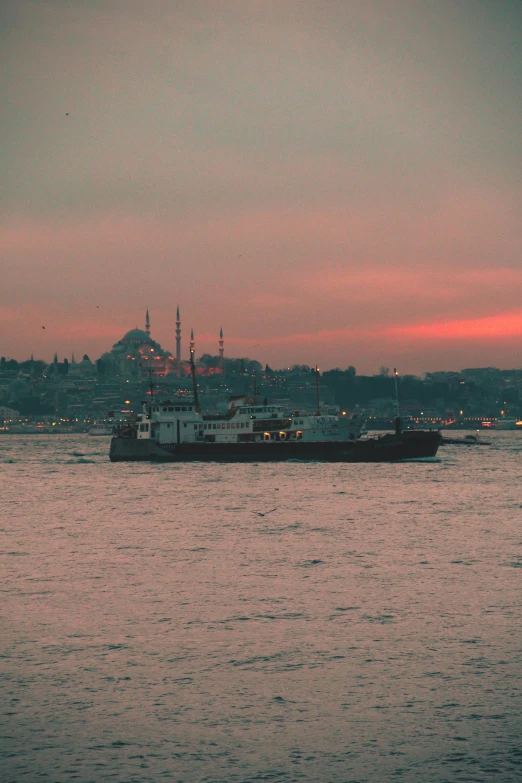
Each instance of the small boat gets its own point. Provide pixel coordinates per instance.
(29, 429)
(468, 440)
(508, 423)
(100, 429)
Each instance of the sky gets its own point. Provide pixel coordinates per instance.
(332, 182)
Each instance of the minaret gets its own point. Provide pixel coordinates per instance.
(147, 323)
(221, 348)
(178, 343)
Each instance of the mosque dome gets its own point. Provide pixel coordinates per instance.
(136, 336)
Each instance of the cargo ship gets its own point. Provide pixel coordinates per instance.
(176, 431)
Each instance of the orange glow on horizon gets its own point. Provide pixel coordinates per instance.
(496, 326)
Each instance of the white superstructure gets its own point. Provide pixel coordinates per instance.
(179, 421)
(327, 426)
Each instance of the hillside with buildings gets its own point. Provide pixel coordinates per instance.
(75, 393)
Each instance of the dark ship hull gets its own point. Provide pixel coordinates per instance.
(411, 444)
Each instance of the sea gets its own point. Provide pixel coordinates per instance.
(264, 622)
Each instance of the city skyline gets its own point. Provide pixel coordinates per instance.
(488, 328)
(332, 182)
(215, 346)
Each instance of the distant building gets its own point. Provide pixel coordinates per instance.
(8, 414)
(83, 369)
(137, 354)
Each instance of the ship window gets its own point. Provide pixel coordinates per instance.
(183, 409)
(223, 426)
(165, 410)
(176, 409)
(195, 426)
(171, 409)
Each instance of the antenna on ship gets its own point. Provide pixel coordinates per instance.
(193, 373)
(317, 390)
(398, 423)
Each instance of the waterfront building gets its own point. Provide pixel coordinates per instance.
(8, 414)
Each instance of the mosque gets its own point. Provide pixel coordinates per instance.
(138, 354)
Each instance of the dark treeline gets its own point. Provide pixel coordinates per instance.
(351, 389)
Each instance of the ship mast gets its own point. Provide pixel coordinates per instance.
(150, 374)
(395, 376)
(317, 390)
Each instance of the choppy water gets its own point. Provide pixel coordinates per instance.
(156, 627)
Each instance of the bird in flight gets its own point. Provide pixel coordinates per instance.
(43, 327)
(264, 513)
